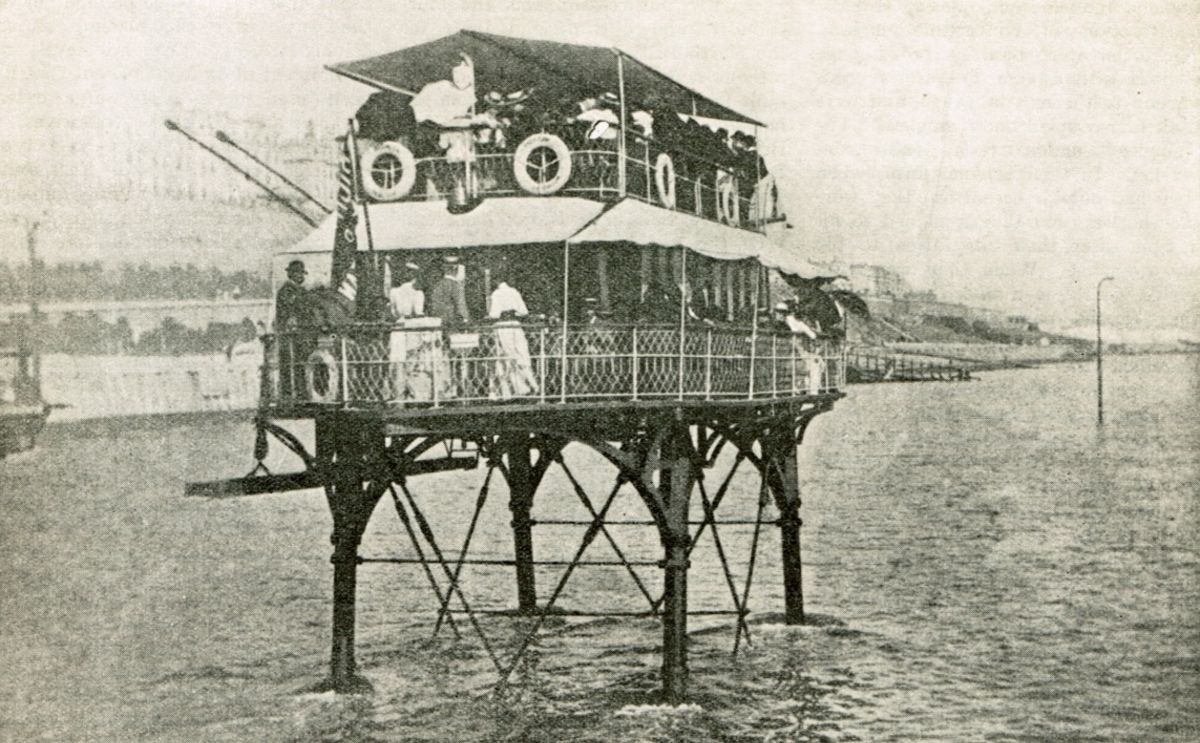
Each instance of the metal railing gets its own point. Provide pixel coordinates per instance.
(699, 187)
(371, 366)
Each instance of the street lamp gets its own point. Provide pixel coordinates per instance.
(1099, 357)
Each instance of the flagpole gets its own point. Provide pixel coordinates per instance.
(357, 183)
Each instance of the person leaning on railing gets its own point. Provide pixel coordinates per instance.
(513, 371)
(447, 302)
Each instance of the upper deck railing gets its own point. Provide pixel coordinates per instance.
(666, 177)
(417, 364)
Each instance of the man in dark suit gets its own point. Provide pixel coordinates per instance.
(447, 299)
(289, 301)
(290, 309)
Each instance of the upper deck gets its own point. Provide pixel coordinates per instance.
(627, 213)
(473, 116)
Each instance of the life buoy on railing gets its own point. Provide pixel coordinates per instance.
(322, 380)
(540, 153)
(762, 204)
(664, 179)
(389, 170)
(729, 210)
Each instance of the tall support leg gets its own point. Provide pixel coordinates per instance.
(784, 481)
(675, 486)
(521, 485)
(350, 450)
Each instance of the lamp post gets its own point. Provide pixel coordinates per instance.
(1099, 357)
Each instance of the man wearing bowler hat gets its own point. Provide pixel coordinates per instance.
(291, 296)
(289, 315)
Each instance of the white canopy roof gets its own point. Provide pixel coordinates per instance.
(415, 225)
(412, 225)
(785, 256)
(637, 222)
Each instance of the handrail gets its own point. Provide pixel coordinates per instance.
(492, 175)
(382, 365)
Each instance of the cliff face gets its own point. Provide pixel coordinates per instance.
(960, 335)
(130, 190)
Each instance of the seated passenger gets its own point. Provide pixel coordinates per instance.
(600, 117)
(385, 116)
(657, 305)
(330, 309)
(795, 324)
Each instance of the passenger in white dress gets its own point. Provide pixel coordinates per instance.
(416, 343)
(513, 375)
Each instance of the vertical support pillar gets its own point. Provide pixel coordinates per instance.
(784, 481)
(348, 450)
(675, 487)
(602, 276)
(521, 486)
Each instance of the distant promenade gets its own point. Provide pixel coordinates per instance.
(999, 354)
(92, 387)
(145, 315)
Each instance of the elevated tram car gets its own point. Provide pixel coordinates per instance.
(541, 244)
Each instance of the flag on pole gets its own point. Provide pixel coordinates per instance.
(345, 239)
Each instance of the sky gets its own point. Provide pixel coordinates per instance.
(1006, 153)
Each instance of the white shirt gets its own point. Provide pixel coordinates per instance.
(504, 299)
(644, 121)
(407, 301)
(799, 326)
(442, 102)
(594, 116)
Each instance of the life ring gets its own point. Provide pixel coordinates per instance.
(762, 205)
(389, 171)
(664, 179)
(521, 162)
(729, 208)
(321, 377)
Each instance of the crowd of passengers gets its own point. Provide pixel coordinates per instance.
(433, 335)
(446, 120)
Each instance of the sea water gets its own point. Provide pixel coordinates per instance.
(982, 562)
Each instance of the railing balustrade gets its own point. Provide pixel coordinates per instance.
(374, 366)
(693, 185)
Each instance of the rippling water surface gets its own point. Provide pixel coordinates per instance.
(981, 564)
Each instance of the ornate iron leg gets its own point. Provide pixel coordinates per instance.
(348, 449)
(675, 486)
(781, 472)
(521, 486)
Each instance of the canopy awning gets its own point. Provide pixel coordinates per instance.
(414, 225)
(506, 64)
(521, 220)
(788, 261)
(637, 222)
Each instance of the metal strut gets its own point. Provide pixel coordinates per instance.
(588, 536)
(480, 500)
(579, 491)
(427, 532)
(724, 487)
(412, 536)
(710, 516)
(762, 500)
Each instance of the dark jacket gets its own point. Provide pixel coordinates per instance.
(448, 301)
(289, 304)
